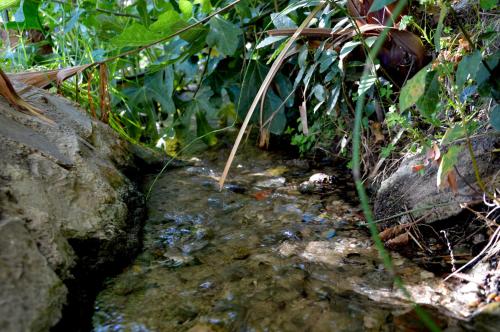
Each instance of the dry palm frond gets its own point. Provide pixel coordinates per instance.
(43, 79)
(8, 92)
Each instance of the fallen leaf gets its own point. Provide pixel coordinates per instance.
(398, 242)
(261, 195)
(416, 168)
(392, 232)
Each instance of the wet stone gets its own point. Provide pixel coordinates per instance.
(271, 183)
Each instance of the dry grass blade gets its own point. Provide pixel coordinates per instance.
(7, 90)
(263, 89)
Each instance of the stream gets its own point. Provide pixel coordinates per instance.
(259, 256)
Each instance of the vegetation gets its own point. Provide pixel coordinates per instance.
(323, 74)
(166, 87)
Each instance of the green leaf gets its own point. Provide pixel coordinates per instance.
(167, 23)
(452, 134)
(206, 6)
(467, 68)
(429, 102)
(135, 35)
(413, 90)
(319, 92)
(327, 58)
(366, 83)
(186, 8)
(26, 17)
(252, 80)
(487, 4)
(204, 130)
(347, 48)
(379, 4)
(5, 4)
(223, 35)
(281, 21)
(448, 161)
(269, 40)
(142, 9)
(495, 117)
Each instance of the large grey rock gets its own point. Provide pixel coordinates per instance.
(407, 190)
(64, 203)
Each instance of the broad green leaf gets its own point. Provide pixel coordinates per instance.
(327, 58)
(186, 8)
(273, 102)
(379, 4)
(206, 6)
(135, 35)
(495, 117)
(429, 102)
(413, 90)
(488, 4)
(483, 74)
(26, 17)
(142, 9)
(167, 23)
(204, 130)
(467, 68)
(452, 134)
(302, 59)
(319, 92)
(224, 35)
(448, 161)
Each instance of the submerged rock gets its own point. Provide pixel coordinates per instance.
(68, 212)
(317, 183)
(271, 183)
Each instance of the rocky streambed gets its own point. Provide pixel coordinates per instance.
(262, 256)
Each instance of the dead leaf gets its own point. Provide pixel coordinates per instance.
(399, 241)
(43, 79)
(452, 181)
(417, 168)
(264, 137)
(262, 195)
(392, 232)
(377, 132)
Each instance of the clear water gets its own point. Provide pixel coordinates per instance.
(257, 256)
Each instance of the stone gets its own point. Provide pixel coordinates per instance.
(69, 214)
(271, 183)
(406, 190)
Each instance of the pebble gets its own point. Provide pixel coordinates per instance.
(271, 183)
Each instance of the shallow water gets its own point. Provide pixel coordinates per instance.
(257, 256)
